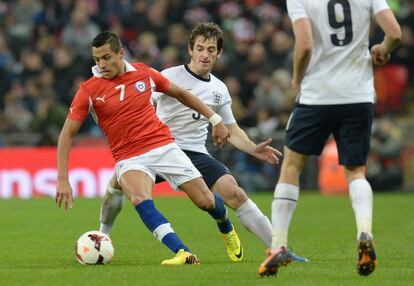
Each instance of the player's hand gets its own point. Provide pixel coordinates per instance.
(220, 134)
(267, 153)
(379, 55)
(64, 194)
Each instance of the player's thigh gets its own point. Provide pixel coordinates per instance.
(136, 185)
(171, 163)
(135, 178)
(308, 128)
(218, 178)
(353, 133)
(198, 192)
(210, 168)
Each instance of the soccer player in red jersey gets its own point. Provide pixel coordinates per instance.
(118, 96)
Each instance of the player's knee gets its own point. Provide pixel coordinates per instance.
(292, 169)
(354, 172)
(227, 187)
(137, 197)
(235, 198)
(207, 203)
(240, 196)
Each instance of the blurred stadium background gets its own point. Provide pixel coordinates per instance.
(45, 54)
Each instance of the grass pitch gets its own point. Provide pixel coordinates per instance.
(37, 243)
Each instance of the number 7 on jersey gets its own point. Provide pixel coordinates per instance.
(122, 92)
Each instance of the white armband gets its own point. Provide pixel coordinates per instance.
(215, 119)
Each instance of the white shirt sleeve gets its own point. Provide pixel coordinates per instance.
(155, 96)
(296, 9)
(227, 114)
(379, 5)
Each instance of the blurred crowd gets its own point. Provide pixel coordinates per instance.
(45, 53)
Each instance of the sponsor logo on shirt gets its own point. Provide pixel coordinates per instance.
(140, 86)
(217, 97)
(101, 98)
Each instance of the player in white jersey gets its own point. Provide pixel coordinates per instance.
(332, 72)
(190, 131)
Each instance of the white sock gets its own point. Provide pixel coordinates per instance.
(112, 204)
(283, 206)
(360, 193)
(252, 218)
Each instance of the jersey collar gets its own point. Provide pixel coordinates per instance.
(128, 68)
(196, 75)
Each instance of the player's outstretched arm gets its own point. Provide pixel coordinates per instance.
(63, 188)
(262, 151)
(220, 132)
(381, 52)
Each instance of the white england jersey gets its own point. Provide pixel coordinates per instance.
(340, 69)
(188, 126)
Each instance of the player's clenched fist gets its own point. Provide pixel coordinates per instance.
(220, 134)
(379, 55)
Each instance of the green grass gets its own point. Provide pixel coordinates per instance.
(37, 245)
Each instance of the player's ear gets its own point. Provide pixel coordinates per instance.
(190, 51)
(219, 53)
(122, 53)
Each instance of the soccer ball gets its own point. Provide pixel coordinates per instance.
(94, 247)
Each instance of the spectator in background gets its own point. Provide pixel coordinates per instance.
(147, 50)
(64, 73)
(79, 32)
(22, 20)
(233, 85)
(18, 116)
(48, 119)
(281, 45)
(177, 37)
(6, 63)
(253, 68)
(267, 95)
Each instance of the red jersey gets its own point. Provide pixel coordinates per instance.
(122, 108)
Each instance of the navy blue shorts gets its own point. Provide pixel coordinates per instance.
(210, 168)
(311, 125)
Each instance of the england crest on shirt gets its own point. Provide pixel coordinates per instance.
(140, 86)
(217, 97)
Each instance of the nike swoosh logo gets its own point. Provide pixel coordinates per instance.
(240, 254)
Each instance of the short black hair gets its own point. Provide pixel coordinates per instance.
(107, 37)
(208, 30)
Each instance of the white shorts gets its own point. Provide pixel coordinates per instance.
(168, 162)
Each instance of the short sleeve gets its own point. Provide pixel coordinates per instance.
(225, 110)
(296, 10)
(227, 114)
(379, 5)
(79, 108)
(162, 84)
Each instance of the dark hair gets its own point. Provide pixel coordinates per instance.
(208, 31)
(106, 37)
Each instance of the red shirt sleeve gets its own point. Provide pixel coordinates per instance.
(79, 108)
(162, 84)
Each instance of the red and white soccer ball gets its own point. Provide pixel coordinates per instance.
(94, 247)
